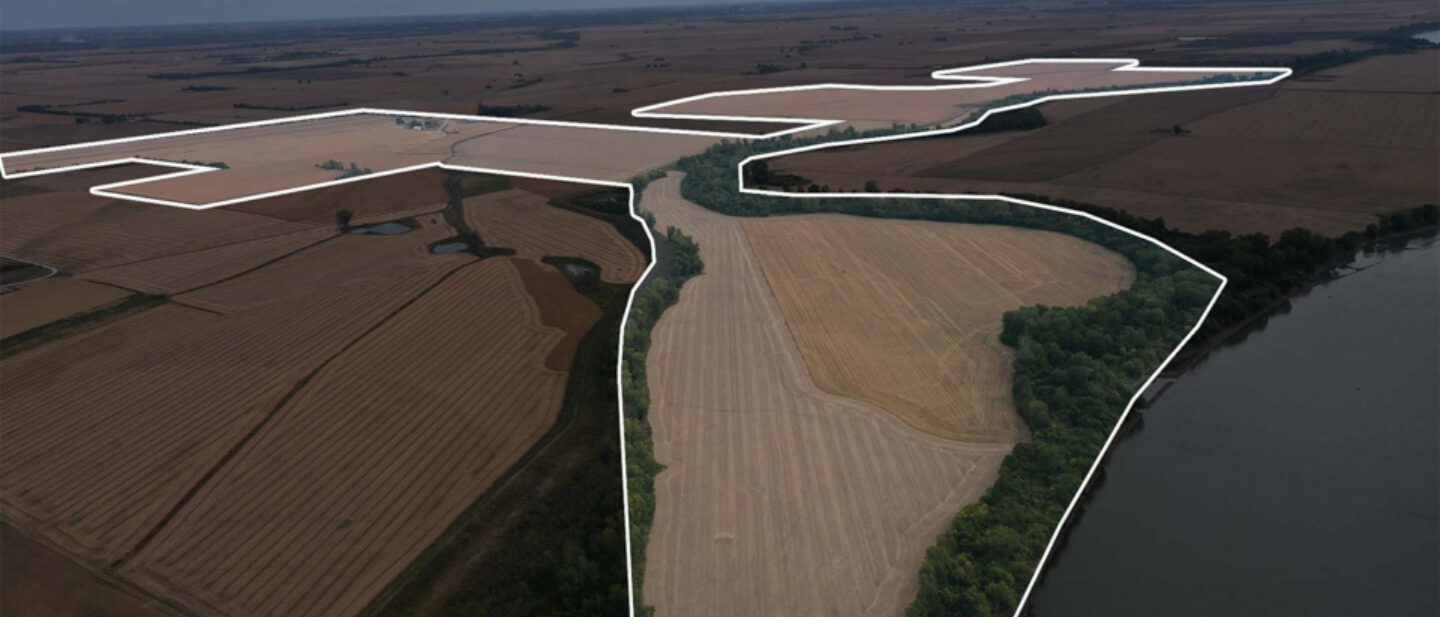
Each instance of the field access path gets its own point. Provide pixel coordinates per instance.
(778, 498)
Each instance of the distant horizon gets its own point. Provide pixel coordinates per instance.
(35, 17)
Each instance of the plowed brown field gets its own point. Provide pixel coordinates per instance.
(906, 314)
(778, 498)
(371, 459)
(525, 222)
(40, 302)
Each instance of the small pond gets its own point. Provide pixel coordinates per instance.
(392, 228)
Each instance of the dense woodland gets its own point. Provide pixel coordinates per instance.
(1076, 368)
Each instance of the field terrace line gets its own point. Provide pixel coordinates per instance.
(563, 155)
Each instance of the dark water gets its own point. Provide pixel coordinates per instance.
(383, 229)
(448, 248)
(1295, 473)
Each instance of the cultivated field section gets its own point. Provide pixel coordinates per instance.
(1327, 151)
(871, 107)
(227, 165)
(246, 414)
(296, 396)
(40, 302)
(371, 459)
(250, 160)
(906, 314)
(527, 223)
(779, 498)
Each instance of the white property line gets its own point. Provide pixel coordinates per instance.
(806, 124)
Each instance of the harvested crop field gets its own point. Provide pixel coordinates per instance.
(40, 581)
(174, 274)
(947, 104)
(779, 498)
(76, 231)
(106, 431)
(37, 303)
(600, 154)
(371, 199)
(1327, 151)
(332, 265)
(338, 492)
(1391, 73)
(906, 315)
(269, 158)
(527, 223)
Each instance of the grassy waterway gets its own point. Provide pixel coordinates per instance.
(1295, 473)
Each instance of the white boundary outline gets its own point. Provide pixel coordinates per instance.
(806, 124)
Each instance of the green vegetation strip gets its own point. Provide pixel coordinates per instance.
(75, 324)
(657, 294)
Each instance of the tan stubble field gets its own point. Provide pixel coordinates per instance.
(780, 498)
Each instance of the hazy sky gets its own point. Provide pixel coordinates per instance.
(26, 14)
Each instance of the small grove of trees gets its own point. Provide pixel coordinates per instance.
(509, 111)
(687, 254)
(343, 217)
(350, 172)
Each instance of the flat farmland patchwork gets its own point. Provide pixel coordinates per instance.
(1327, 151)
(333, 265)
(1415, 72)
(174, 274)
(599, 154)
(106, 431)
(906, 315)
(1071, 143)
(946, 104)
(371, 199)
(37, 303)
(75, 231)
(527, 223)
(371, 459)
(1315, 181)
(778, 498)
(1294, 115)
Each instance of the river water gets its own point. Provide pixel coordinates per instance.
(1295, 473)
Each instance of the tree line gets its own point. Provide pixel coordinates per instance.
(656, 294)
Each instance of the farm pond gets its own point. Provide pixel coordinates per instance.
(1293, 473)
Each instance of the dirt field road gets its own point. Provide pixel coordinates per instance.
(779, 499)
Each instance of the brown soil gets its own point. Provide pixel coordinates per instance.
(37, 303)
(41, 582)
(560, 306)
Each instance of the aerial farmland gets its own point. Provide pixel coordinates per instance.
(847, 309)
